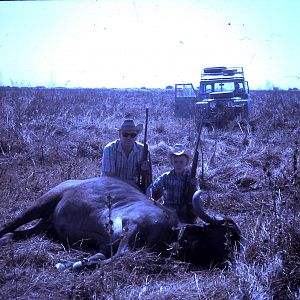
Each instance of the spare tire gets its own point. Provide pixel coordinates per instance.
(214, 70)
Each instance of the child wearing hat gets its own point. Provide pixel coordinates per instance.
(171, 185)
(123, 158)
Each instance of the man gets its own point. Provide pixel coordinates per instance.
(172, 185)
(123, 158)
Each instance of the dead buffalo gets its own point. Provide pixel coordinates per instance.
(115, 217)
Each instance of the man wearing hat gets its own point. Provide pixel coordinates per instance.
(123, 158)
(171, 185)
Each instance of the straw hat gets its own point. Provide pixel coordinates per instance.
(130, 126)
(179, 150)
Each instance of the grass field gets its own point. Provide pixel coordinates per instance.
(249, 171)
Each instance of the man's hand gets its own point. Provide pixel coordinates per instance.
(194, 181)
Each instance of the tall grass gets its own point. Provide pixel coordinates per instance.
(250, 173)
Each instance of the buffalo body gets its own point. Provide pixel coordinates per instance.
(113, 216)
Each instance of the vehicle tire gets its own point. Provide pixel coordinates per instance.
(208, 128)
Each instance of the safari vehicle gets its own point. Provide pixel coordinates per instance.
(223, 95)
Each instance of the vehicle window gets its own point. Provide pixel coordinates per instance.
(224, 86)
(185, 91)
(208, 88)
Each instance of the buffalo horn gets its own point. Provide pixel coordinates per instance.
(197, 203)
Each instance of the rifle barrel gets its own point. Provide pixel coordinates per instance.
(146, 127)
(145, 179)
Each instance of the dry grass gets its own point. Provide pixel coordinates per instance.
(251, 173)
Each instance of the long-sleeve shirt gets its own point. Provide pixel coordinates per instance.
(116, 163)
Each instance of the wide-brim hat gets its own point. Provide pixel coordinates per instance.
(130, 126)
(179, 150)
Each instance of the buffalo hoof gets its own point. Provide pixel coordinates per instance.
(64, 265)
(79, 265)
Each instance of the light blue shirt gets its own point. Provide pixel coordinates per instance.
(116, 163)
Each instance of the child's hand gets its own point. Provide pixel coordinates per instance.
(145, 166)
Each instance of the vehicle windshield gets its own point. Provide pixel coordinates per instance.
(222, 87)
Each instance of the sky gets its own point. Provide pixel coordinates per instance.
(143, 43)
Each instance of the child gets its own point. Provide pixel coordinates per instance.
(173, 185)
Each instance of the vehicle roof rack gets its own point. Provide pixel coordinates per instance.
(222, 72)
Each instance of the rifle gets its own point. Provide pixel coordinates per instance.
(196, 157)
(145, 177)
(189, 188)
